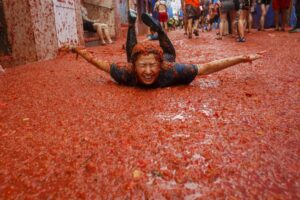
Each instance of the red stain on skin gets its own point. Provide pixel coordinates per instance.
(68, 131)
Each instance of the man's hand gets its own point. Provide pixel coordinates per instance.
(251, 57)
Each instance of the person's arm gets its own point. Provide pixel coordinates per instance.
(84, 15)
(218, 65)
(100, 64)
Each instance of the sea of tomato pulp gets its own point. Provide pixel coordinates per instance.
(67, 131)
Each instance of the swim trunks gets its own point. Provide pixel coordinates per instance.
(163, 16)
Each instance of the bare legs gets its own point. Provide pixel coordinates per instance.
(164, 25)
(223, 19)
(264, 10)
(283, 19)
(241, 25)
(250, 21)
(102, 31)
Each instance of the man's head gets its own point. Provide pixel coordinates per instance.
(147, 60)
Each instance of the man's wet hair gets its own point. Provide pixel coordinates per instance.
(146, 49)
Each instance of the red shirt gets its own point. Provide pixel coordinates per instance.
(195, 3)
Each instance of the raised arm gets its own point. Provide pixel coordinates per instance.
(218, 65)
(100, 64)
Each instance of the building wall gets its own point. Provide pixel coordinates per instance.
(19, 30)
(43, 28)
(32, 30)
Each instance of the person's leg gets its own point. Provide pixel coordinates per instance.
(196, 25)
(221, 27)
(190, 27)
(233, 15)
(262, 17)
(225, 26)
(276, 18)
(131, 35)
(106, 33)
(283, 18)
(166, 26)
(98, 28)
(164, 41)
(241, 26)
(296, 29)
(250, 21)
(185, 24)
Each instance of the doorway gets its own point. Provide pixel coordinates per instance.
(5, 48)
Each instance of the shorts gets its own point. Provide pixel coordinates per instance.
(163, 17)
(281, 4)
(214, 19)
(88, 26)
(245, 4)
(266, 2)
(192, 12)
(229, 5)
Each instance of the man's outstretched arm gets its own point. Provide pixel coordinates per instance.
(100, 64)
(218, 65)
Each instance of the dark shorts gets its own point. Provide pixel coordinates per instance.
(245, 4)
(192, 12)
(266, 2)
(88, 26)
(229, 5)
(214, 19)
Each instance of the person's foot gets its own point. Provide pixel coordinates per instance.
(151, 22)
(196, 32)
(190, 36)
(241, 39)
(219, 37)
(131, 16)
(294, 30)
(103, 43)
(277, 29)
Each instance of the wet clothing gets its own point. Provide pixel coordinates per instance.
(192, 12)
(176, 74)
(245, 4)
(229, 5)
(194, 3)
(281, 4)
(163, 16)
(88, 26)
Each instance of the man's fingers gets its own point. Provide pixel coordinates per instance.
(262, 52)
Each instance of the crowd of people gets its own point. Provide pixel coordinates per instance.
(233, 17)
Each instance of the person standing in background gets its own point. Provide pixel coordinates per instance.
(192, 11)
(162, 9)
(296, 29)
(264, 5)
(95, 26)
(280, 6)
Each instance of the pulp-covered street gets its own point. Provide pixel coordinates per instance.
(69, 132)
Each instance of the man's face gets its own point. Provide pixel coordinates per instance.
(147, 69)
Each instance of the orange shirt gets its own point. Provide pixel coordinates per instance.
(195, 3)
